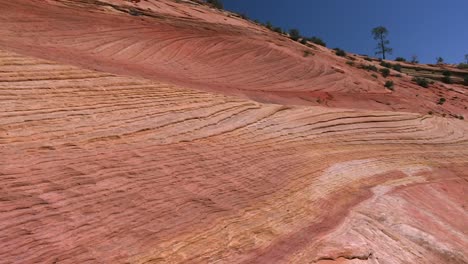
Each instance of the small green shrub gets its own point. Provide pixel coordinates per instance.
(350, 63)
(400, 59)
(375, 75)
(386, 64)
(278, 30)
(385, 72)
(216, 3)
(462, 66)
(368, 59)
(340, 52)
(421, 81)
(447, 80)
(389, 85)
(318, 41)
(307, 53)
(397, 67)
(465, 80)
(440, 60)
(303, 41)
(369, 68)
(441, 101)
(294, 34)
(398, 75)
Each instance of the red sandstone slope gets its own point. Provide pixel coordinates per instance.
(107, 167)
(186, 45)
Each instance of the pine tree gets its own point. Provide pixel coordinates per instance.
(380, 34)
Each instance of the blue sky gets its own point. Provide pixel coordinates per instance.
(426, 28)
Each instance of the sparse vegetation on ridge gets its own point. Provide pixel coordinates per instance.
(216, 3)
(294, 34)
(414, 59)
(318, 41)
(440, 60)
(340, 52)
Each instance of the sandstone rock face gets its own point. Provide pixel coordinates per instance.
(183, 135)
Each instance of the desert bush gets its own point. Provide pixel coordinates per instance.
(278, 30)
(414, 59)
(400, 59)
(216, 3)
(350, 63)
(369, 68)
(385, 72)
(303, 41)
(389, 85)
(421, 81)
(386, 64)
(367, 59)
(462, 66)
(375, 75)
(465, 80)
(441, 101)
(318, 41)
(446, 78)
(440, 60)
(294, 34)
(340, 52)
(398, 75)
(397, 67)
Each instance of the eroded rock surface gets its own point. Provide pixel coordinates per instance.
(131, 139)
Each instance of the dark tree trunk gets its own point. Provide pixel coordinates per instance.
(382, 46)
